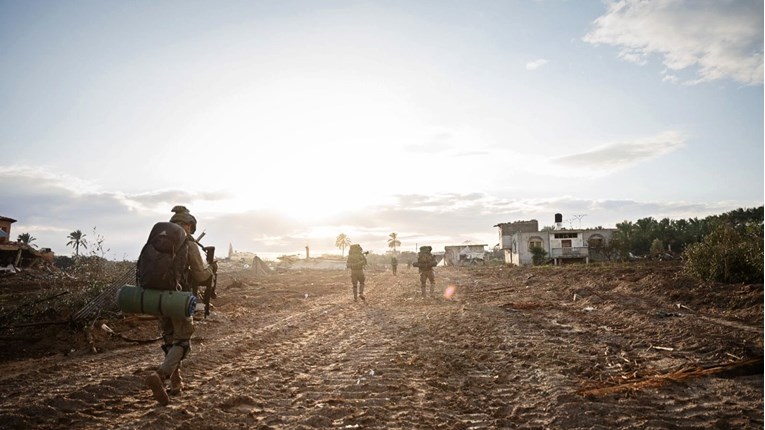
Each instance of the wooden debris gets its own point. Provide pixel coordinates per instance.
(663, 348)
(680, 375)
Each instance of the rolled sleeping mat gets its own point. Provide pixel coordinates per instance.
(172, 304)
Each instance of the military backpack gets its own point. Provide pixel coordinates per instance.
(356, 259)
(425, 259)
(163, 262)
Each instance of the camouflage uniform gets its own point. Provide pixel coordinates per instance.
(176, 332)
(425, 263)
(394, 264)
(356, 262)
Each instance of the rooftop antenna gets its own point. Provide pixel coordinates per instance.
(578, 218)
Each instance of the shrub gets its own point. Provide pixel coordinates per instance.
(63, 262)
(657, 248)
(727, 254)
(538, 255)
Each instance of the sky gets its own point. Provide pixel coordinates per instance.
(282, 124)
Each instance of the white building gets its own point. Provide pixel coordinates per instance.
(561, 245)
(464, 255)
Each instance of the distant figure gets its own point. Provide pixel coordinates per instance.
(394, 264)
(426, 262)
(356, 262)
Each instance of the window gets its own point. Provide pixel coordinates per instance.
(535, 242)
(596, 241)
(566, 235)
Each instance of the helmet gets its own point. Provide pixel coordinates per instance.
(183, 216)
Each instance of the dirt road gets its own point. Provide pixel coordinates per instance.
(553, 347)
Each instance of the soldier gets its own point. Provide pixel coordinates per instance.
(394, 264)
(176, 332)
(356, 262)
(426, 262)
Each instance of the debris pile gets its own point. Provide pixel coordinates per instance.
(16, 256)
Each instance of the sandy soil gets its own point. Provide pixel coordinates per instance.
(575, 347)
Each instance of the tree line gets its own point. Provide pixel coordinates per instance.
(726, 247)
(640, 237)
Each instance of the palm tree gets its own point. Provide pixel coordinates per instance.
(26, 239)
(77, 239)
(393, 242)
(342, 241)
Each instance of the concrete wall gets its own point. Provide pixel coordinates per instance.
(5, 225)
(507, 229)
(452, 253)
(517, 250)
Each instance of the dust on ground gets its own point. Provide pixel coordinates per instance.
(574, 347)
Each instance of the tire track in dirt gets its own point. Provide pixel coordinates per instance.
(432, 369)
(65, 390)
(332, 371)
(499, 355)
(616, 335)
(363, 365)
(85, 388)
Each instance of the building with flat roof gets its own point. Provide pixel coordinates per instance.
(518, 239)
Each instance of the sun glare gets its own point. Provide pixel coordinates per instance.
(308, 147)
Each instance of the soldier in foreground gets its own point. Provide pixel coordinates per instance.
(426, 262)
(186, 267)
(356, 262)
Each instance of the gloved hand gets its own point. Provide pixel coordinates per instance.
(214, 266)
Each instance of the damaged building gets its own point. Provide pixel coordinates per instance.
(18, 255)
(464, 255)
(518, 238)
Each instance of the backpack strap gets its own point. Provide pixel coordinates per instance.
(178, 276)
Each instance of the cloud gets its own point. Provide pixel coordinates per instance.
(609, 158)
(713, 38)
(49, 206)
(533, 65)
(159, 200)
(47, 209)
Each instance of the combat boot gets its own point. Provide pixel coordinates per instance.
(176, 383)
(423, 292)
(157, 386)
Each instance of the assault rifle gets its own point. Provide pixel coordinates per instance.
(209, 292)
(428, 265)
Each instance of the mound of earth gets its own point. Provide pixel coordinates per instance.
(574, 347)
